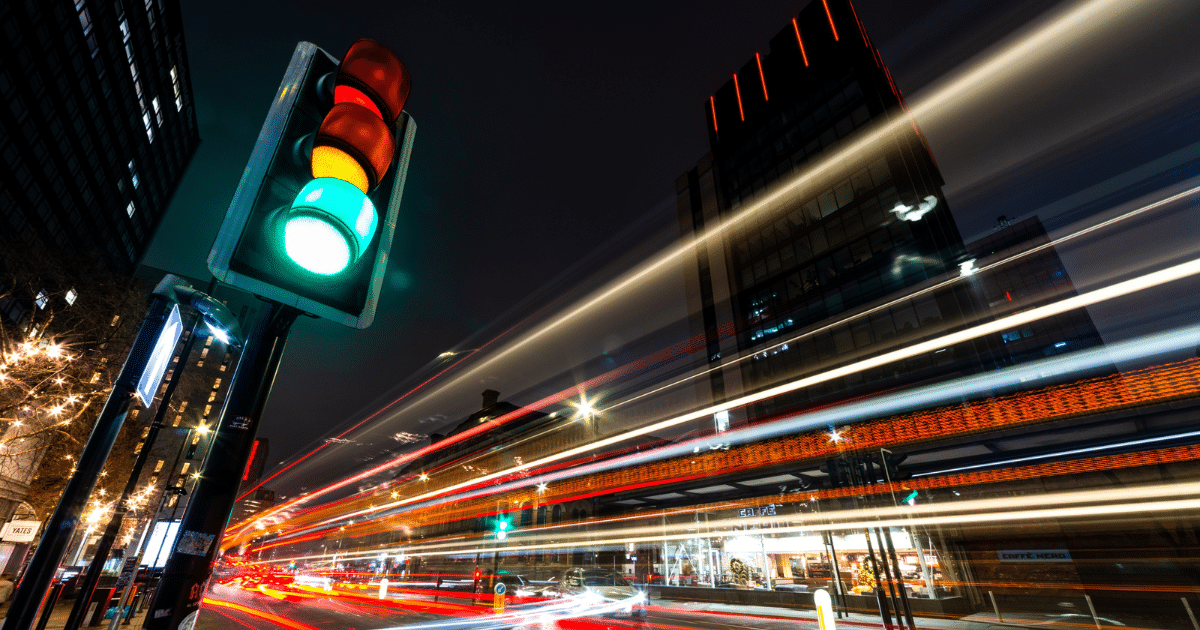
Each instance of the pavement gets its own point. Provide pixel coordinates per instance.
(62, 610)
(974, 622)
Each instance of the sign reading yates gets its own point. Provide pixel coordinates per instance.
(20, 531)
(1034, 555)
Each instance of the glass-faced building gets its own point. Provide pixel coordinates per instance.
(828, 200)
(97, 123)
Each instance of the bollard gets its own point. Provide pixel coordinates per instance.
(383, 584)
(825, 618)
(995, 607)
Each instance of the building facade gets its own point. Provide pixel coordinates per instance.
(826, 199)
(98, 123)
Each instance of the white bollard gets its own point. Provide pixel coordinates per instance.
(825, 618)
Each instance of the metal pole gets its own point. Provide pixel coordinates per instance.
(908, 616)
(114, 524)
(995, 606)
(838, 589)
(61, 526)
(184, 578)
(885, 613)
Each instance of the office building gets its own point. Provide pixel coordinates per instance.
(97, 127)
(855, 228)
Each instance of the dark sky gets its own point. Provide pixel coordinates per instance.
(544, 129)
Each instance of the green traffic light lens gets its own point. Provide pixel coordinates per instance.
(316, 245)
(329, 225)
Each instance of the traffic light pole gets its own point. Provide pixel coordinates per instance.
(182, 586)
(22, 614)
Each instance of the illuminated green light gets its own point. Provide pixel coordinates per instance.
(329, 225)
(316, 245)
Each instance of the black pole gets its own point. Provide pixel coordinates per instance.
(61, 525)
(190, 565)
(114, 524)
(908, 616)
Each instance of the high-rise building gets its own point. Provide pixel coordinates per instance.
(98, 123)
(855, 227)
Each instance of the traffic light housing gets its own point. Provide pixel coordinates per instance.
(502, 529)
(312, 221)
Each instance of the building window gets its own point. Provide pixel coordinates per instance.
(157, 111)
(178, 92)
(186, 466)
(178, 419)
(72, 296)
(159, 465)
(42, 299)
(133, 173)
(130, 209)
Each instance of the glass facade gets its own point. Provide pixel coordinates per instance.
(86, 166)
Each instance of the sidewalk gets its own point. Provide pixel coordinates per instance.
(974, 622)
(62, 610)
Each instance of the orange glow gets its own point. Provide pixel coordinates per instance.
(796, 27)
(713, 106)
(762, 77)
(830, 16)
(737, 88)
(333, 162)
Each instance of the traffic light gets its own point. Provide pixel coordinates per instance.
(501, 529)
(312, 221)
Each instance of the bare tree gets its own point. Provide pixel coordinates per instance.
(66, 325)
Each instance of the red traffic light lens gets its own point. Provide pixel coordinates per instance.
(360, 134)
(377, 73)
(347, 94)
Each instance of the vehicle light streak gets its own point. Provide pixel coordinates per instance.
(275, 619)
(1128, 385)
(604, 378)
(1096, 296)
(1078, 504)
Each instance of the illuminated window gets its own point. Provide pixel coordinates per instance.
(133, 173)
(124, 30)
(175, 86)
(157, 112)
(182, 406)
(196, 439)
(216, 383)
(42, 299)
(207, 409)
(178, 419)
(71, 296)
(186, 466)
(130, 209)
(159, 465)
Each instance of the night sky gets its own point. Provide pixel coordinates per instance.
(547, 129)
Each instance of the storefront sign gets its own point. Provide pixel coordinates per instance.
(20, 531)
(766, 510)
(1034, 555)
